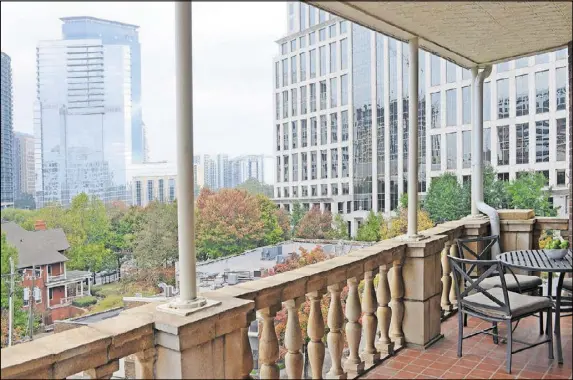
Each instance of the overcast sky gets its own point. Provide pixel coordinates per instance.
(233, 48)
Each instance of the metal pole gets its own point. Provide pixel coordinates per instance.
(32, 301)
(185, 183)
(11, 303)
(413, 141)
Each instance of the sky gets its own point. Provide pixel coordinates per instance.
(233, 50)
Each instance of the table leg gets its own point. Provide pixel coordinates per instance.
(558, 318)
(550, 295)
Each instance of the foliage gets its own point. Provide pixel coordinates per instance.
(494, 191)
(370, 229)
(20, 317)
(399, 225)
(446, 199)
(315, 224)
(107, 303)
(297, 213)
(283, 218)
(84, 301)
(527, 192)
(254, 187)
(340, 229)
(273, 233)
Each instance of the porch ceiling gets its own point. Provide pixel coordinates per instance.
(468, 33)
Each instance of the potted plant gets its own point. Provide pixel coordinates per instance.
(553, 244)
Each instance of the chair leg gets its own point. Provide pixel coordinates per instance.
(465, 320)
(460, 333)
(540, 323)
(495, 337)
(548, 331)
(509, 346)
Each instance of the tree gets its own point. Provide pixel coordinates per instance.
(526, 192)
(370, 229)
(494, 191)
(254, 187)
(283, 218)
(446, 199)
(273, 233)
(297, 213)
(340, 230)
(7, 251)
(156, 242)
(397, 226)
(315, 225)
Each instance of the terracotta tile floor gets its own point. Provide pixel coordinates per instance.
(481, 358)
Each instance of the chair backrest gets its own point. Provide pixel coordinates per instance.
(485, 253)
(494, 267)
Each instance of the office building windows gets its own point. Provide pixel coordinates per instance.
(285, 72)
(313, 164)
(451, 151)
(304, 175)
(302, 42)
(451, 107)
(293, 102)
(333, 127)
(322, 54)
(293, 77)
(277, 75)
(313, 132)
(561, 140)
(323, 164)
(150, 196)
(285, 170)
(466, 105)
(522, 143)
(487, 101)
(435, 109)
(294, 169)
(323, 130)
(344, 54)
(302, 66)
(542, 58)
(345, 170)
(278, 169)
(521, 95)
(466, 149)
(303, 102)
(451, 72)
(344, 125)
(322, 85)
(560, 87)
(542, 141)
(313, 97)
(435, 70)
(322, 34)
(503, 98)
(503, 145)
(521, 63)
(285, 136)
(502, 67)
(487, 145)
(542, 91)
(344, 90)
(560, 176)
(285, 104)
(138, 193)
(312, 16)
(334, 163)
(303, 133)
(161, 191)
(294, 127)
(436, 152)
(312, 64)
(171, 189)
(333, 93)
(332, 31)
(333, 57)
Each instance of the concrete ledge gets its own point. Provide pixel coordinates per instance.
(508, 214)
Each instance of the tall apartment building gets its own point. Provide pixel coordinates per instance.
(6, 135)
(82, 120)
(223, 171)
(341, 117)
(246, 167)
(210, 172)
(24, 170)
(119, 34)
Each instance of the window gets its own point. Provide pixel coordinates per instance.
(138, 193)
(561, 54)
(333, 93)
(466, 180)
(278, 137)
(502, 67)
(542, 58)
(285, 171)
(487, 145)
(344, 54)
(503, 98)
(322, 34)
(294, 127)
(302, 41)
(293, 69)
(278, 106)
(293, 101)
(561, 140)
(303, 17)
(323, 164)
(344, 90)
(343, 26)
(487, 101)
(321, 16)
(303, 133)
(286, 193)
(333, 57)
(466, 105)
(334, 163)
(522, 143)
(435, 67)
(333, 127)
(37, 295)
(450, 72)
(345, 171)
(312, 16)
(294, 188)
(312, 38)
(435, 104)
(313, 168)
(436, 153)
(324, 190)
(322, 53)
(285, 71)
(521, 63)
(285, 104)
(171, 189)
(503, 145)
(521, 95)
(334, 191)
(466, 149)
(560, 174)
(323, 130)
(542, 91)
(560, 85)
(313, 132)
(294, 171)
(283, 48)
(312, 54)
(285, 136)
(322, 95)
(542, 141)
(279, 170)
(293, 46)
(451, 151)
(303, 103)
(344, 122)
(304, 162)
(503, 177)
(277, 75)
(313, 97)
(150, 196)
(161, 191)
(451, 107)
(51, 293)
(466, 74)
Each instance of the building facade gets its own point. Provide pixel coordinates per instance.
(152, 181)
(341, 117)
(122, 34)
(6, 136)
(82, 120)
(24, 173)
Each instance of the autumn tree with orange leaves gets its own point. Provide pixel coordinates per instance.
(315, 224)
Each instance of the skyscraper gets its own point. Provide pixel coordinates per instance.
(82, 120)
(341, 117)
(116, 33)
(6, 136)
(223, 171)
(210, 172)
(24, 174)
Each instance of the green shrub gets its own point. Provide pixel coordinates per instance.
(96, 291)
(84, 301)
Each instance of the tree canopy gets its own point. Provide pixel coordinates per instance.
(315, 224)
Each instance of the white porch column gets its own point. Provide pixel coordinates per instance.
(413, 140)
(90, 286)
(65, 291)
(477, 139)
(82, 288)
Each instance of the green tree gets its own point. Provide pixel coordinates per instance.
(20, 317)
(273, 233)
(446, 199)
(526, 192)
(340, 227)
(297, 214)
(494, 191)
(253, 186)
(370, 229)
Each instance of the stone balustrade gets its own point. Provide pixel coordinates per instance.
(414, 290)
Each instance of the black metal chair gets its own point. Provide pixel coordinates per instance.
(496, 304)
(515, 282)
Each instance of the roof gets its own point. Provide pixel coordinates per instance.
(100, 20)
(468, 33)
(36, 247)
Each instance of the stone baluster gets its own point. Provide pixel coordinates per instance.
(370, 355)
(315, 331)
(246, 352)
(335, 339)
(144, 363)
(104, 371)
(453, 299)
(384, 344)
(354, 364)
(397, 304)
(446, 278)
(293, 340)
(269, 345)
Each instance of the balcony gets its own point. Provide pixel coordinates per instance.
(398, 328)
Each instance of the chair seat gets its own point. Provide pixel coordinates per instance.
(568, 284)
(525, 282)
(520, 304)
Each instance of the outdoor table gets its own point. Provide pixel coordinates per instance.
(538, 261)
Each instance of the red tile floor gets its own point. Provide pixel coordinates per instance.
(481, 358)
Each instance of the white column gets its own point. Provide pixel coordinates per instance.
(90, 286)
(413, 140)
(477, 138)
(82, 288)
